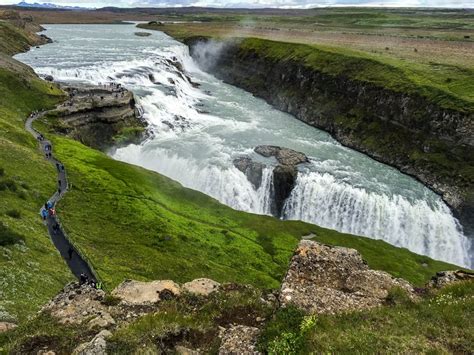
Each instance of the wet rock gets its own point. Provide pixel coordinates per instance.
(76, 304)
(142, 34)
(239, 339)
(49, 78)
(253, 170)
(325, 279)
(6, 326)
(142, 293)
(97, 346)
(284, 156)
(444, 278)
(202, 286)
(284, 174)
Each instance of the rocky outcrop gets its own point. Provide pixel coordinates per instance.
(407, 131)
(445, 278)
(99, 116)
(284, 173)
(239, 339)
(77, 304)
(325, 279)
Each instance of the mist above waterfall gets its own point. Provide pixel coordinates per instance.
(200, 125)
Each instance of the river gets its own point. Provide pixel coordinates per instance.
(198, 130)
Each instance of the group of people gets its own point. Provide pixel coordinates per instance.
(48, 210)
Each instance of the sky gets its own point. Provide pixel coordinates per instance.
(256, 3)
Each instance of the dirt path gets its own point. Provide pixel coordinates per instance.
(74, 260)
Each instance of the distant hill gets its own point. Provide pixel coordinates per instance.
(48, 5)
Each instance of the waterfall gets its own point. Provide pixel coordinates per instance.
(424, 229)
(199, 125)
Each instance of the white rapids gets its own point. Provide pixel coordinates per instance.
(200, 124)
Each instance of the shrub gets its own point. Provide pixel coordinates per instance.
(8, 184)
(8, 237)
(2, 171)
(283, 331)
(110, 300)
(13, 214)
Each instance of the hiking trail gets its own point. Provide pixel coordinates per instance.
(68, 251)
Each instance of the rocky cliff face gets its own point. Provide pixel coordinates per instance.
(100, 117)
(409, 132)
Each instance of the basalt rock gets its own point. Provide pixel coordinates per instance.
(284, 173)
(99, 116)
(252, 169)
(326, 279)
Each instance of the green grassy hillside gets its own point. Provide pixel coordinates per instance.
(31, 270)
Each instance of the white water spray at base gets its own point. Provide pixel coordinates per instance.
(423, 229)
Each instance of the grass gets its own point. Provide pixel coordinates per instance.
(440, 323)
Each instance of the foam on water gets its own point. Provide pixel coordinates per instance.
(199, 125)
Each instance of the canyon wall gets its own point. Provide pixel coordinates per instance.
(407, 131)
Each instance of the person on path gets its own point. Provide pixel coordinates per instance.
(82, 278)
(44, 214)
(69, 253)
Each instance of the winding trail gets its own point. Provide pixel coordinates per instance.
(68, 251)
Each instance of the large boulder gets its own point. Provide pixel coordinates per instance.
(145, 293)
(284, 156)
(326, 279)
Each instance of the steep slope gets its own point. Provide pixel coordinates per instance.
(31, 270)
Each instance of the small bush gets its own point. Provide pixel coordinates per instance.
(2, 171)
(9, 237)
(8, 184)
(13, 214)
(398, 295)
(110, 300)
(283, 331)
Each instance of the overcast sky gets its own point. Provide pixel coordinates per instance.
(258, 3)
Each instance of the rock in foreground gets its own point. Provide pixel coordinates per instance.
(325, 279)
(143, 293)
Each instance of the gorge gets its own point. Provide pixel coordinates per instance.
(200, 125)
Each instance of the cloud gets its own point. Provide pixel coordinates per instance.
(259, 3)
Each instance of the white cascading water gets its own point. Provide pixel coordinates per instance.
(199, 129)
(418, 227)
